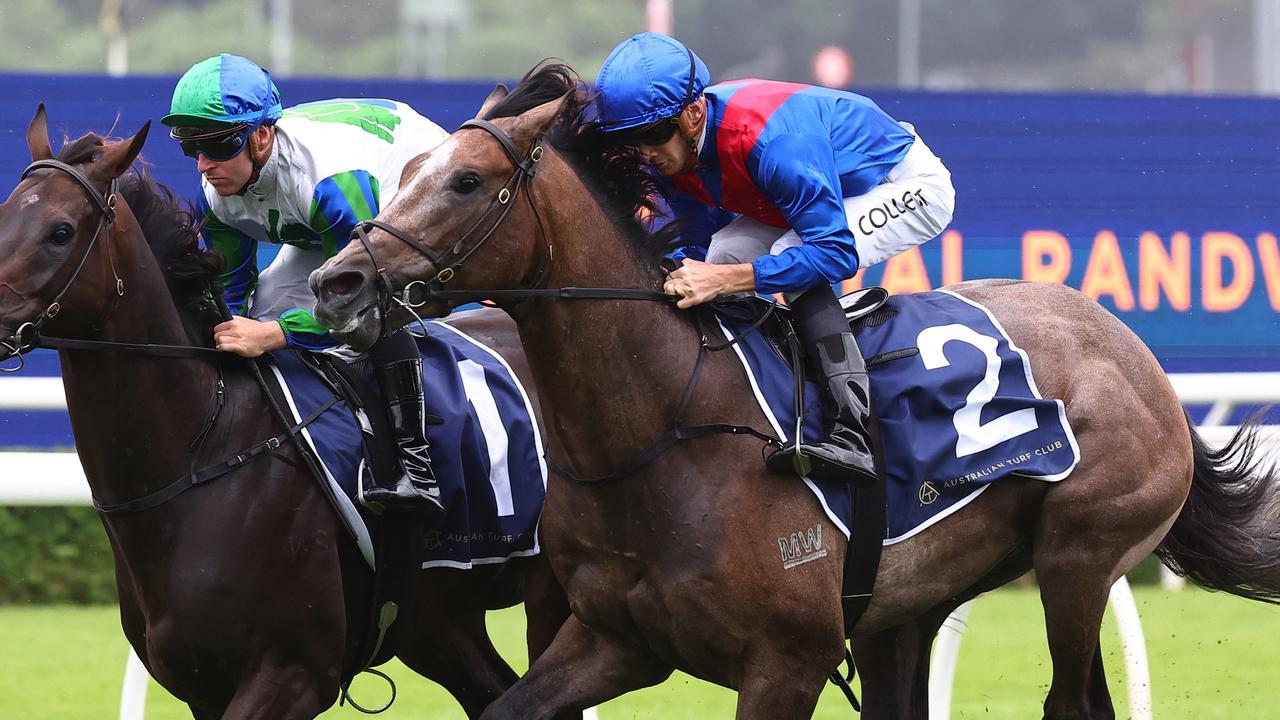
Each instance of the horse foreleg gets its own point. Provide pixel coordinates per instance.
(580, 669)
(456, 652)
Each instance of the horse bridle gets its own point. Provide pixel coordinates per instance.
(27, 336)
(448, 262)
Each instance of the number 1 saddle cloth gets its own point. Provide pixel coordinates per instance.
(486, 449)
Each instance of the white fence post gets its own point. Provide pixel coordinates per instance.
(133, 695)
(1134, 646)
(946, 656)
(942, 667)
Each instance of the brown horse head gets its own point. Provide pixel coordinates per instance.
(57, 240)
(465, 197)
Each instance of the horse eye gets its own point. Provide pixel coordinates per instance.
(62, 234)
(466, 184)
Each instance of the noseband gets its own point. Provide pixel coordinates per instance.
(27, 336)
(447, 263)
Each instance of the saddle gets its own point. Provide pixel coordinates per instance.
(863, 307)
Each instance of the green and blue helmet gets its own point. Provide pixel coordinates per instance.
(224, 90)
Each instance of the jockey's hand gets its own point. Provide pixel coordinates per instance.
(697, 282)
(248, 338)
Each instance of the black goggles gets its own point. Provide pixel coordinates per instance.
(652, 134)
(657, 133)
(218, 145)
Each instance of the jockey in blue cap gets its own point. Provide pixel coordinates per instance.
(824, 183)
(302, 177)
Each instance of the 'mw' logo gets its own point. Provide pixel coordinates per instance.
(801, 547)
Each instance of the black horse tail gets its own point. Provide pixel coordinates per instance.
(1227, 535)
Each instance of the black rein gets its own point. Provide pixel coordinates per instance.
(28, 337)
(449, 262)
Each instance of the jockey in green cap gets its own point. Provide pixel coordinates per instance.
(302, 177)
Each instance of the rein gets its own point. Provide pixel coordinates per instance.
(679, 431)
(419, 292)
(27, 337)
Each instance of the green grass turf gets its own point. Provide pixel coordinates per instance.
(1211, 656)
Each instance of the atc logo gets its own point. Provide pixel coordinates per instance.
(928, 493)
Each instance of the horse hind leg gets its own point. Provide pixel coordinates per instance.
(1085, 538)
(456, 652)
(781, 687)
(580, 669)
(894, 667)
(1099, 694)
(281, 693)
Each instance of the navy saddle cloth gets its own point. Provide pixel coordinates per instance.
(957, 404)
(487, 453)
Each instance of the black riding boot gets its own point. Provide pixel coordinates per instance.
(845, 454)
(416, 490)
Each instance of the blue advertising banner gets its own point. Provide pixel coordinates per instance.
(1163, 209)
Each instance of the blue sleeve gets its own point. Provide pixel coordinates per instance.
(341, 202)
(797, 173)
(239, 254)
(698, 222)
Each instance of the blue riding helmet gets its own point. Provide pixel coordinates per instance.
(647, 78)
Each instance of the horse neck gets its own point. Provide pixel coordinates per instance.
(620, 365)
(133, 415)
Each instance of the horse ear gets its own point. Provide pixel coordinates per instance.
(533, 123)
(38, 136)
(495, 97)
(118, 156)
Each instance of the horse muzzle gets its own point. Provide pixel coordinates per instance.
(347, 302)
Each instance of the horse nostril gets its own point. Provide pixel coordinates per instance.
(344, 283)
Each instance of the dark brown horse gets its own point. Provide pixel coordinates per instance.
(677, 565)
(244, 597)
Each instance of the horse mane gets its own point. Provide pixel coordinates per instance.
(618, 177)
(172, 230)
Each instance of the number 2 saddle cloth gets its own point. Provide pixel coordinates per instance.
(485, 449)
(957, 405)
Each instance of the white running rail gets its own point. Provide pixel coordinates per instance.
(61, 482)
(946, 654)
